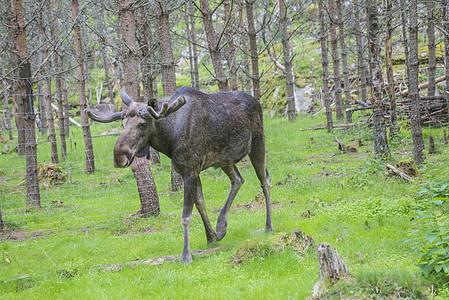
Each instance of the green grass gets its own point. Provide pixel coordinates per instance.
(346, 200)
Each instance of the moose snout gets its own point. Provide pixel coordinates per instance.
(122, 156)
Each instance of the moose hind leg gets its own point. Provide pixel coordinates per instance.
(257, 157)
(236, 183)
(186, 220)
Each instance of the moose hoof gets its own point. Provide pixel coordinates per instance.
(186, 259)
(221, 233)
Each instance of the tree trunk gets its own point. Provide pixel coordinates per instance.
(145, 65)
(6, 101)
(24, 99)
(324, 62)
(389, 68)
(48, 99)
(168, 68)
(230, 50)
(252, 35)
(335, 60)
(42, 125)
(79, 55)
(149, 199)
(289, 76)
(344, 61)
(404, 12)
(105, 58)
(65, 95)
(361, 66)
(415, 118)
(431, 47)
(192, 40)
(445, 20)
(380, 134)
(54, 33)
(213, 44)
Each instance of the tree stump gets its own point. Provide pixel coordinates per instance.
(332, 269)
(431, 145)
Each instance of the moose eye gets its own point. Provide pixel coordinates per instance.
(142, 125)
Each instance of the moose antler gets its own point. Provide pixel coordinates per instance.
(166, 108)
(103, 113)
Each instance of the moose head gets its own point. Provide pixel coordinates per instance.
(138, 123)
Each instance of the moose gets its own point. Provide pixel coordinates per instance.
(197, 131)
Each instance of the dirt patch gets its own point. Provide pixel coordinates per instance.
(51, 174)
(257, 203)
(407, 167)
(19, 235)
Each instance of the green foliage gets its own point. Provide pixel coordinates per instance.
(433, 224)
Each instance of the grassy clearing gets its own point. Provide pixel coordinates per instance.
(345, 199)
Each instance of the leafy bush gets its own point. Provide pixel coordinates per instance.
(434, 249)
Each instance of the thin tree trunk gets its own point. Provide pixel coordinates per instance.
(324, 62)
(445, 21)
(431, 47)
(145, 66)
(335, 60)
(380, 134)
(48, 99)
(6, 101)
(105, 59)
(24, 99)
(168, 68)
(40, 97)
(415, 118)
(79, 54)
(361, 66)
(344, 61)
(65, 95)
(289, 76)
(389, 68)
(213, 45)
(149, 199)
(404, 13)
(54, 33)
(230, 50)
(192, 37)
(252, 35)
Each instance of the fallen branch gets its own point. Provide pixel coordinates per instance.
(424, 85)
(55, 108)
(400, 173)
(156, 261)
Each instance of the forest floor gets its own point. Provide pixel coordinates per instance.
(82, 244)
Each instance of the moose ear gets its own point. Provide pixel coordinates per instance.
(152, 102)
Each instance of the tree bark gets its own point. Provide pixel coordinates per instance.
(431, 47)
(48, 98)
(149, 199)
(145, 65)
(105, 58)
(324, 62)
(168, 68)
(24, 100)
(335, 60)
(289, 76)
(252, 35)
(344, 61)
(361, 66)
(445, 15)
(230, 50)
(213, 44)
(389, 68)
(404, 12)
(415, 118)
(6, 101)
(380, 135)
(40, 97)
(193, 43)
(54, 33)
(79, 55)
